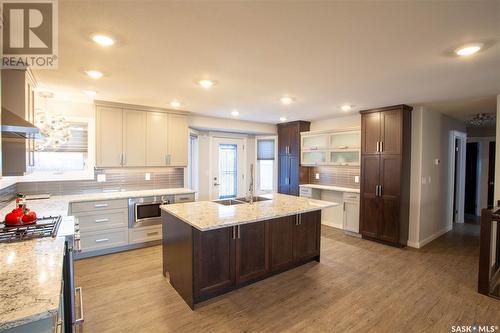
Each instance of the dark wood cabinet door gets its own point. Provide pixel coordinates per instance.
(389, 221)
(252, 251)
(281, 242)
(306, 236)
(369, 210)
(370, 132)
(284, 174)
(214, 261)
(391, 131)
(390, 180)
(294, 175)
(294, 140)
(283, 139)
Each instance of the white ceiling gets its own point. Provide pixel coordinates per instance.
(323, 54)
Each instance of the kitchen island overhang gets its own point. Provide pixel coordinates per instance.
(210, 249)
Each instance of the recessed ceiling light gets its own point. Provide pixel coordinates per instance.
(346, 107)
(286, 100)
(207, 84)
(94, 74)
(235, 113)
(175, 104)
(90, 93)
(469, 49)
(103, 40)
(282, 118)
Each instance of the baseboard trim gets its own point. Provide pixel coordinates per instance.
(429, 239)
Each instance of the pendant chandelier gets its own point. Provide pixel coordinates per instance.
(482, 120)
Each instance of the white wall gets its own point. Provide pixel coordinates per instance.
(429, 215)
(337, 123)
(230, 125)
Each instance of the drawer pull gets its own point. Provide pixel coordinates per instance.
(102, 240)
(101, 220)
(101, 205)
(152, 233)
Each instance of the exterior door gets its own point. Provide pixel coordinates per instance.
(228, 168)
(281, 242)
(391, 127)
(216, 272)
(109, 138)
(134, 138)
(370, 127)
(369, 214)
(306, 236)
(252, 249)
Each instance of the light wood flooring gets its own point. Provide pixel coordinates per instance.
(359, 286)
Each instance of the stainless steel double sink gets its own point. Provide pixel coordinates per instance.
(239, 201)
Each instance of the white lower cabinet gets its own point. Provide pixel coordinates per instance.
(144, 234)
(351, 212)
(96, 240)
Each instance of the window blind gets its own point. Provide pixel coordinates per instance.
(78, 141)
(265, 149)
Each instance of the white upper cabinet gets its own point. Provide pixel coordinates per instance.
(134, 138)
(330, 148)
(345, 140)
(137, 138)
(315, 142)
(109, 148)
(157, 139)
(177, 140)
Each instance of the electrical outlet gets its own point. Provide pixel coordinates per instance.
(356, 179)
(317, 176)
(101, 177)
(147, 176)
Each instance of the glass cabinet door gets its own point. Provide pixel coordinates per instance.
(314, 157)
(315, 142)
(347, 140)
(344, 157)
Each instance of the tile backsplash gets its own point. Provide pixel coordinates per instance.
(332, 175)
(116, 180)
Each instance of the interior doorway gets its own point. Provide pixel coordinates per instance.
(491, 173)
(471, 178)
(456, 189)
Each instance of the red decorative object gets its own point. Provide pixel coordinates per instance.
(20, 215)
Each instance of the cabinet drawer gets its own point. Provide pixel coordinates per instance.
(144, 234)
(179, 198)
(90, 206)
(351, 196)
(90, 221)
(95, 240)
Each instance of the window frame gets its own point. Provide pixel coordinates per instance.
(275, 164)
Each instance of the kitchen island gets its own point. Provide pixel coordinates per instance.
(210, 248)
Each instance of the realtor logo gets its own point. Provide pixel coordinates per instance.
(29, 34)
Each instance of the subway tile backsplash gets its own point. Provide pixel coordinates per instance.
(116, 180)
(334, 175)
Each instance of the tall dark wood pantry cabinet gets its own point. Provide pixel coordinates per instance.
(289, 156)
(385, 174)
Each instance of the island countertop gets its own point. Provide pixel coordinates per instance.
(208, 215)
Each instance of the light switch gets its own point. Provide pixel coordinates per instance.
(317, 175)
(356, 179)
(424, 180)
(101, 177)
(147, 176)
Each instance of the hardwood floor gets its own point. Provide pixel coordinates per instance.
(359, 286)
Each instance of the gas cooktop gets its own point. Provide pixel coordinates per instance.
(46, 226)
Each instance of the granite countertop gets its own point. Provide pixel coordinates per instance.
(31, 271)
(208, 215)
(332, 188)
(31, 278)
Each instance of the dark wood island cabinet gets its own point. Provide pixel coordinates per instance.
(203, 264)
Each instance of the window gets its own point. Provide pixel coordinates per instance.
(266, 164)
(69, 156)
(228, 171)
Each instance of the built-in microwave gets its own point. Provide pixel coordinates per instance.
(146, 211)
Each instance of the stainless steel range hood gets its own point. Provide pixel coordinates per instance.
(17, 126)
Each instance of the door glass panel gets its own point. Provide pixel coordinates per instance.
(314, 157)
(228, 171)
(315, 142)
(346, 140)
(345, 157)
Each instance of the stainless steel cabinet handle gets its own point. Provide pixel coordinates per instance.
(102, 240)
(296, 220)
(78, 244)
(381, 146)
(300, 219)
(101, 220)
(233, 236)
(101, 205)
(152, 233)
(80, 291)
(378, 146)
(124, 159)
(121, 159)
(238, 232)
(380, 190)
